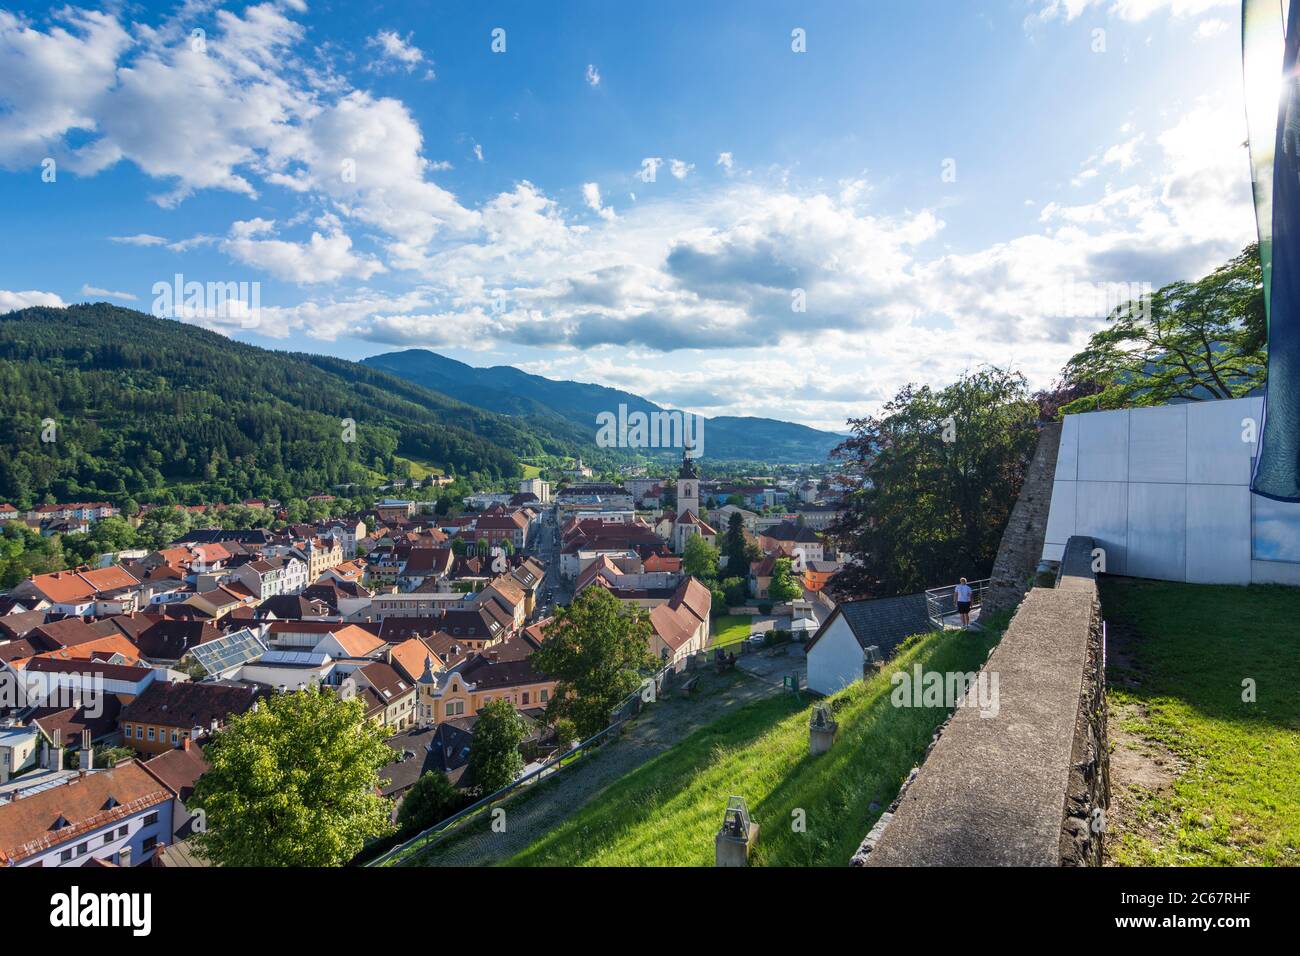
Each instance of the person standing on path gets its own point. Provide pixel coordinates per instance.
(962, 595)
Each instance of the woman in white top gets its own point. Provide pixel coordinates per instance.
(961, 594)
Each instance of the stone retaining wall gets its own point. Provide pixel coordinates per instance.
(1021, 547)
(1023, 786)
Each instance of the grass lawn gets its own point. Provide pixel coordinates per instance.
(1230, 793)
(530, 471)
(419, 470)
(731, 629)
(666, 812)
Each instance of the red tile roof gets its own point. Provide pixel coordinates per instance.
(31, 825)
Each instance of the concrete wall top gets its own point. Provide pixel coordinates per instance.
(992, 792)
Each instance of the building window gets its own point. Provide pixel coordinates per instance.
(151, 733)
(148, 844)
(65, 856)
(151, 819)
(545, 695)
(525, 698)
(176, 736)
(139, 732)
(82, 848)
(122, 831)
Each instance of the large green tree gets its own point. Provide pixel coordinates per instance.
(596, 648)
(735, 547)
(1189, 341)
(293, 783)
(699, 558)
(494, 758)
(433, 798)
(785, 585)
(936, 476)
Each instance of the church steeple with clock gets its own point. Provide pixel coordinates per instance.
(688, 487)
(688, 521)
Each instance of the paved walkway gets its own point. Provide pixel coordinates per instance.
(773, 665)
(658, 728)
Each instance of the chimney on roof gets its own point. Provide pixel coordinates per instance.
(87, 759)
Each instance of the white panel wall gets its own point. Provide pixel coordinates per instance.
(1101, 512)
(1165, 490)
(1218, 534)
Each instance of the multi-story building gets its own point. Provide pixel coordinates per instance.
(538, 487)
(166, 713)
(117, 816)
(501, 672)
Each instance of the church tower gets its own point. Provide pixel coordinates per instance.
(688, 488)
(688, 521)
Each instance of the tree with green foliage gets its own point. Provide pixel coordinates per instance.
(106, 536)
(936, 476)
(159, 411)
(24, 552)
(734, 546)
(699, 558)
(596, 649)
(161, 526)
(1189, 341)
(432, 799)
(785, 585)
(494, 758)
(293, 782)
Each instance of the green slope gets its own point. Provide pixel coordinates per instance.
(144, 404)
(666, 812)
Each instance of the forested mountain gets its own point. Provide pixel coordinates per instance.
(506, 389)
(158, 410)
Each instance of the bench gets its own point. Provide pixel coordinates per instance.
(688, 685)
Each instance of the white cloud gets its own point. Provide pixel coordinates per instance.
(1132, 10)
(139, 239)
(52, 82)
(680, 169)
(95, 291)
(592, 75)
(591, 196)
(725, 161)
(395, 52)
(1210, 28)
(1123, 154)
(326, 257)
(10, 301)
(241, 111)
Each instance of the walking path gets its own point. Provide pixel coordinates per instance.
(536, 811)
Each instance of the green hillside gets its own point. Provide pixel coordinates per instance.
(145, 405)
(508, 390)
(666, 812)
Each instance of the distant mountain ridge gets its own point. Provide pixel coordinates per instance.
(510, 391)
(147, 407)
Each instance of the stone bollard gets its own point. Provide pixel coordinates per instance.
(821, 731)
(733, 842)
(732, 850)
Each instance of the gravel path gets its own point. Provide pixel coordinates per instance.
(659, 726)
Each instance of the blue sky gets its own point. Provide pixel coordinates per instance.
(942, 184)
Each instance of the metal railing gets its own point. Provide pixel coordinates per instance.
(941, 608)
(628, 708)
